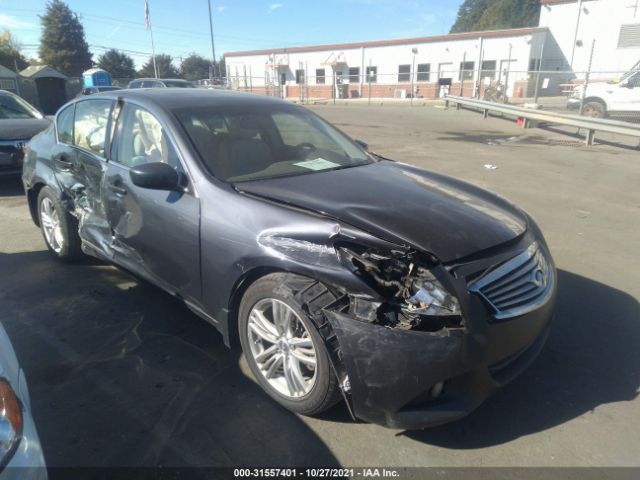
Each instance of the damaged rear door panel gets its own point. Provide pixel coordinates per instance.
(79, 162)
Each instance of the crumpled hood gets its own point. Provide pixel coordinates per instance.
(22, 129)
(403, 204)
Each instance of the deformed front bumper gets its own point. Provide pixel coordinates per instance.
(392, 372)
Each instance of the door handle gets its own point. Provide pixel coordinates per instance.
(63, 163)
(117, 189)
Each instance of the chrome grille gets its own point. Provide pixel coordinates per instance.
(519, 285)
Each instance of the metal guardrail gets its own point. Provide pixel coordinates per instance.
(591, 125)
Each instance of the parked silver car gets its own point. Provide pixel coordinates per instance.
(20, 452)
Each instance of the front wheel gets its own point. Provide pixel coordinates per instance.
(283, 347)
(594, 110)
(59, 227)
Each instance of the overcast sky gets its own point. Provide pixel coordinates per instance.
(181, 26)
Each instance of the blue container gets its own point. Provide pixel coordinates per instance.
(96, 77)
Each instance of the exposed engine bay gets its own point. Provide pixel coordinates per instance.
(416, 298)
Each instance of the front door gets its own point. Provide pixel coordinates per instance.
(625, 97)
(155, 233)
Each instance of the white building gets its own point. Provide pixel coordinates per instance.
(462, 63)
(613, 24)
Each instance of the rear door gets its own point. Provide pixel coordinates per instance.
(63, 154)
(91, 129)
(155, 233)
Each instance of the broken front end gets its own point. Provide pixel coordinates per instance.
(433, 341)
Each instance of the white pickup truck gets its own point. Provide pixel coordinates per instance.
(602, 99)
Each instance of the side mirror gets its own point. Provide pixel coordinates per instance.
(628, 85)
(156, 176)
(363, 144)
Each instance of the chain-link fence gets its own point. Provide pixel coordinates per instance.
(594, 82)
(614, 93)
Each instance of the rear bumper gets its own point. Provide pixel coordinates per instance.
(392, 373)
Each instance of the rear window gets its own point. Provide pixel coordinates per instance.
(90, 125)
(64, 125)
(173, 84)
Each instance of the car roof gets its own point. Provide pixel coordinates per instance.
(148, 79)
(178, 98)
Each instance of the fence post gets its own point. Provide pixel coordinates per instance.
(464, 61)
(506, 75)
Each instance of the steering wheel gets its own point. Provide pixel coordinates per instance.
(305, 147)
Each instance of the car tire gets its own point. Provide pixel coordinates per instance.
(304, 298)
(594, 109)
(59, 228)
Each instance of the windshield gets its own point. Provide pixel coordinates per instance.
(241, 144)
(15, 107)
(173, 84)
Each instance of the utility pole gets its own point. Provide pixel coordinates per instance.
(213, 47)
(147, 20)
(575, 37)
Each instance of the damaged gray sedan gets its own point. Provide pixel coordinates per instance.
(343, 275)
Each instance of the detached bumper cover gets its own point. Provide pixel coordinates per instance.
(391, 371)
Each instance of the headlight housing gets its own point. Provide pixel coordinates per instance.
(10, 422)
(415, 298)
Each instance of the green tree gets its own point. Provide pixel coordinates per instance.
(474, 15)
(118, 64)
(469, 14)
(10, 55)
(195, 67)
(165, 67)
(62, 43)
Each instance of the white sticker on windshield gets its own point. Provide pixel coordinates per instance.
(317, 164)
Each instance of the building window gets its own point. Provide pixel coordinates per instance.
(629, 36)
(404, 73)
(372, 74)
(466, 70)
(300, 76)
(488, 70)
(7, 84)
(354, 75)
(320, 76)
(424, 71)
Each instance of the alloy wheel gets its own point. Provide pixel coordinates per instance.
(282, 348)
(50, 222)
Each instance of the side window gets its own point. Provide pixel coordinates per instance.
(135, 85)
(65, 125)
(635, 81)
(90, 125)
(141, 139)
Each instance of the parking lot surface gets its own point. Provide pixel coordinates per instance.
(122, 374)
